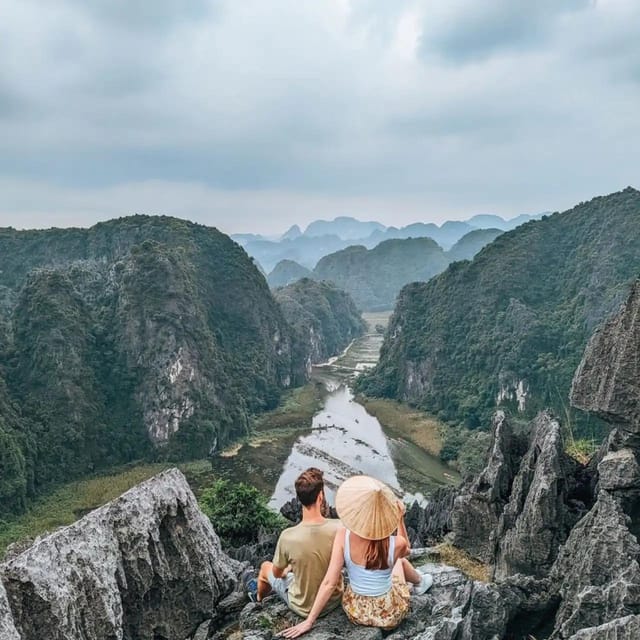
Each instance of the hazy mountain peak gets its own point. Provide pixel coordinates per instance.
(292, 233)
(345, 227)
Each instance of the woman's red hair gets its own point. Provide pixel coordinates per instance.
(377, 554)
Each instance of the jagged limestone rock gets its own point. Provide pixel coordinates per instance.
(627, 628)
(619, 470)
(597, 570)
(535, 521)
(146, 566)
(607, 381)
(476, 511)
(8, 630)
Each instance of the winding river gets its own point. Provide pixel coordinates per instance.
(342, 439)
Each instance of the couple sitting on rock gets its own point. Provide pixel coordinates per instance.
(306, 571)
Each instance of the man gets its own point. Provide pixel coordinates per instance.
(303, 552)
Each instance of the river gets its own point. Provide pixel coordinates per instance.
(342, 439)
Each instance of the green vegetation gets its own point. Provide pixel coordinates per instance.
(324, 319)
(143, 337)
(373, 277)
(70, 502)
(519, 314)
(401, 420)
(238, 511)
(471, 243)
(286, 272)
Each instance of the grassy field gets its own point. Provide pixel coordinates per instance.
(71, 501)
(401, 421)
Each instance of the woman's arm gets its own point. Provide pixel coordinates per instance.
(402, 530)
(328, 585)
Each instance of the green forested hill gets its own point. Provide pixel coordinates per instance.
(286, 272)
(472, 242)
(512, 324)
(137, 332)
(324, 318)
(373, 277)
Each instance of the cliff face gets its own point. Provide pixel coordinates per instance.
(324, 319)
(509, 328)
(147, 565)
(572, 529)
(137, 333)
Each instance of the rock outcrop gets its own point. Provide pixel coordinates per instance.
(597, 570)
(478, 508)
(8, 629)
(146, 566)
(607, 381)
(519, 510)
(537, 518)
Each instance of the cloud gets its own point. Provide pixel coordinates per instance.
(471, 31)
(419, 106)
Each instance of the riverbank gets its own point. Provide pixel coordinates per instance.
(399, 420)
(277, 430)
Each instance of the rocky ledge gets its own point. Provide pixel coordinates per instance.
(147, 565)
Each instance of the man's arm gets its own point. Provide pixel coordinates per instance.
(279, 572)
(280, 561)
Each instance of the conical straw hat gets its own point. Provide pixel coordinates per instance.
(367, 507)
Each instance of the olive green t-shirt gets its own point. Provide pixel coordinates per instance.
(307, 548)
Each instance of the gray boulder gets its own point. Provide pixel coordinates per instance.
(597, 570)
(478, 507)
(607, 381)
(8, 629)
(627, 628)
(536, 520)
(146, 566)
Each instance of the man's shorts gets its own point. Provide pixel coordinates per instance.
(281, 585)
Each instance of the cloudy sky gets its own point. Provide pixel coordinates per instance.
(251, 115)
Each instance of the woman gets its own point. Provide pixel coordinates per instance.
(378, 593)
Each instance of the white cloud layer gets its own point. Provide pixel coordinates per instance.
(254, 115)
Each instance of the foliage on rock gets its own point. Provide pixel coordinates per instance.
(238, 512)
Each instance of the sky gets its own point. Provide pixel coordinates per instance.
(254, 115)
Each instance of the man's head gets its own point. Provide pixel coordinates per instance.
(309, 485)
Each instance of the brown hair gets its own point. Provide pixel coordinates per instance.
(377, 554)
(308, 485)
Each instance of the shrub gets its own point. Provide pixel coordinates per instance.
(238, 511)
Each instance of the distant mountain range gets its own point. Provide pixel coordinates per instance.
(323, 237)
(373, 277)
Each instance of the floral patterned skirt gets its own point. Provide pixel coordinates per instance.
(386, 611)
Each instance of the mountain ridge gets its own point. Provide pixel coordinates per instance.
(509, 326)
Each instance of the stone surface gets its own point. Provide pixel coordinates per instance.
(597, 570)
(8, 630)
(619, 470)
(607, 381)
(476, 511)
(536, 520)
(146, 566)
(627, 628)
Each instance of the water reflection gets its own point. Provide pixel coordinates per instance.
(345, 441)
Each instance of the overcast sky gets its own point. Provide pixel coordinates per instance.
(252, 115)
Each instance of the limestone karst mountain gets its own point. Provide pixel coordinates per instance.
(559, 537)
(138, 334)
(324, 318)
(373, 277)
(509, 327)
(471, 243)
(286, 272)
